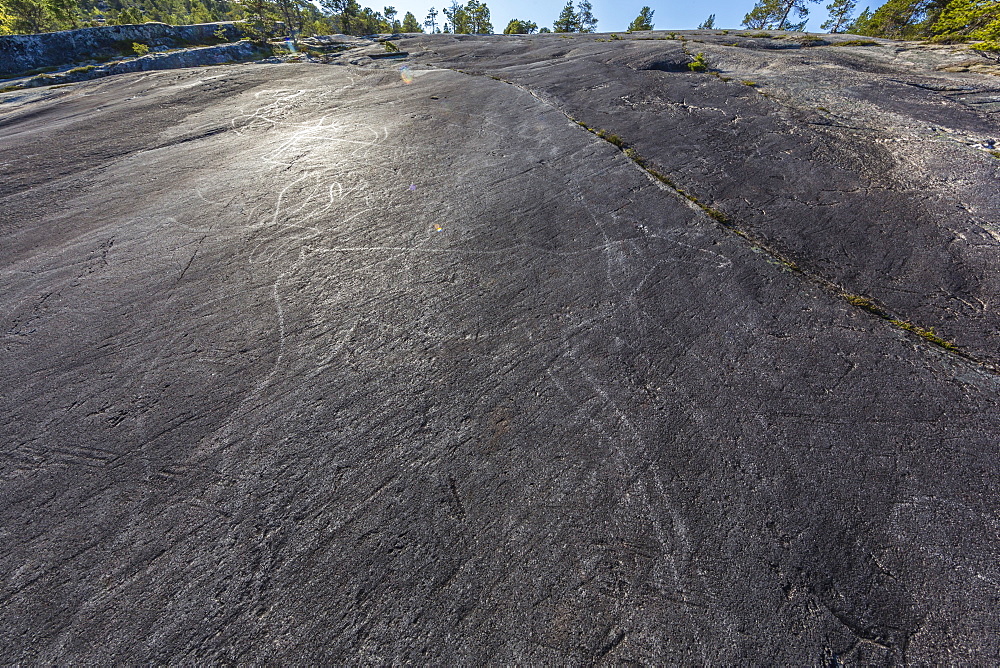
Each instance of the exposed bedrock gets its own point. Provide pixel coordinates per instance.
(346, 364)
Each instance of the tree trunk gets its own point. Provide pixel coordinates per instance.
(784, 17)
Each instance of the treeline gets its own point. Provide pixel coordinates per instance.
(299, 16)
(937, 20)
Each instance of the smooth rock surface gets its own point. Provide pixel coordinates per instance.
(308, 364)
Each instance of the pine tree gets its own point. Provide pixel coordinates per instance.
(518, 27)
(390, 19)
(479, 18)
(347, 14)
(585, 17)
(431, 20)
(410, 23)
(774, 14)
(904, 19)
(258, 26)
(26, 16)
(567, 21)
(840, 15)
(707, 24)
(642, 22)
(979, 19)
(458, 17)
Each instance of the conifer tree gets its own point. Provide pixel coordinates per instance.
(431, 20)
(479, 18)
(840, 15)
(390, 19)
(410, 23)
(644, 21)
(518, 27)
(775, 14)
(585, 20)
(567, 21)
(458, 17)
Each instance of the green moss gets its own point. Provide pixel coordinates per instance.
(925, 333)
(761, 35)
(634, 156)
(611, 138)
(82, 70)
(863, 303)
(995, 154)
(747, 82)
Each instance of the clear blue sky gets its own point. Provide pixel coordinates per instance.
(613, 15)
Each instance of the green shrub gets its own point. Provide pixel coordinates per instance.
(988, 49)
(698, 64)
(949, 38)
(140, 48)
(857, 42)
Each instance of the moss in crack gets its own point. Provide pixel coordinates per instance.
(863, 303)
(927, 334)
(775, 257)
(611, 138)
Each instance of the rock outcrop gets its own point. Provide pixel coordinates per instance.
(24, 53)
(533, 350)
